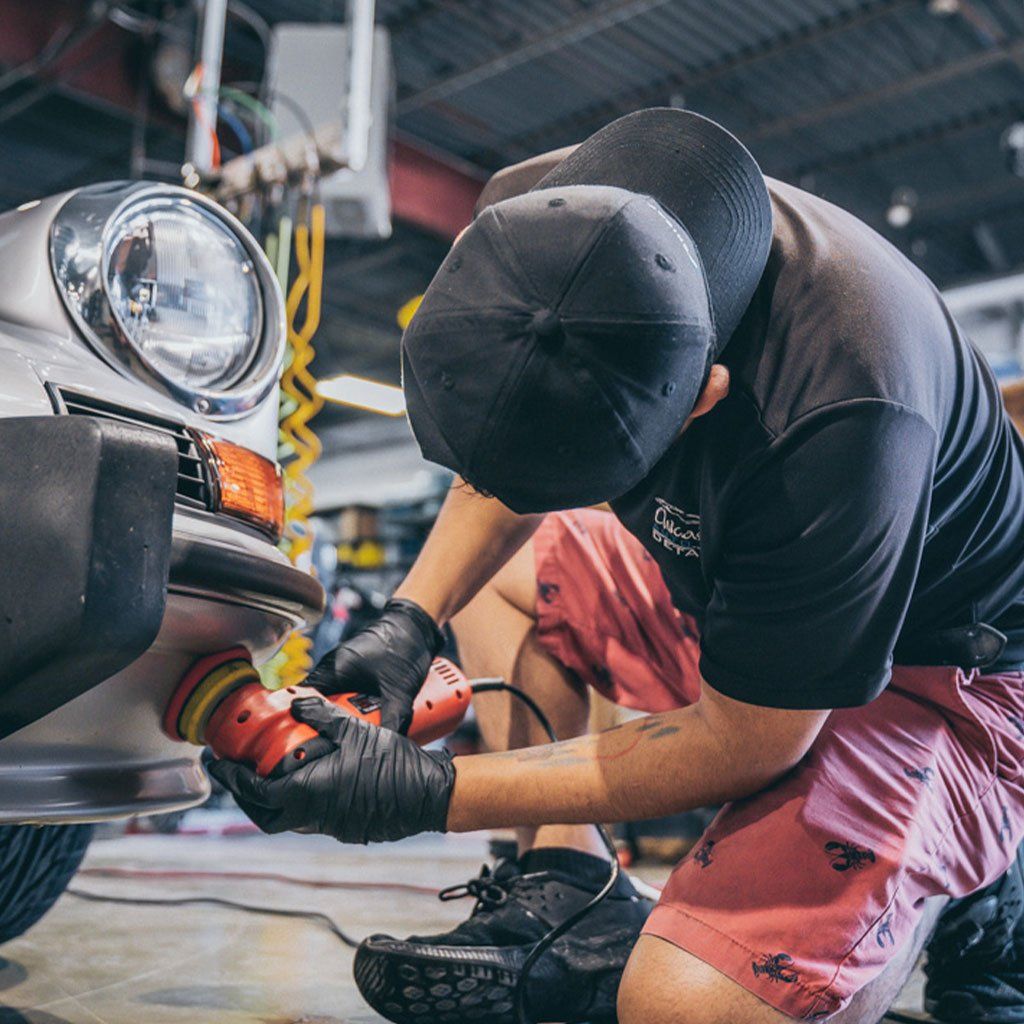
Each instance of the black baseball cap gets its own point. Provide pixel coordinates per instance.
(567, 335)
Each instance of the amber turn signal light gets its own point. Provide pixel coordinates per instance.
(245, 485)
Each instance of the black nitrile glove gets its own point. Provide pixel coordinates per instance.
(389, 659)
(376, 786)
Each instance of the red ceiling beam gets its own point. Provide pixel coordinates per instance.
(429, 192)
(98, 65)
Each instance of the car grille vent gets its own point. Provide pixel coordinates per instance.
(193, 488)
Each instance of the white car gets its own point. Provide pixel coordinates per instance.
(141, 340)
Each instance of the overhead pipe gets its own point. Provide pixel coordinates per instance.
(359, 121)
(202, 119)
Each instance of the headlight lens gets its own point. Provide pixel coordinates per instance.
(170, 289)
(183, 292)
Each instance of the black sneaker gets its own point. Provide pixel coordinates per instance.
(975, 966)
(470, 973)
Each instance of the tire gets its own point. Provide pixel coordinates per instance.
(36, 864)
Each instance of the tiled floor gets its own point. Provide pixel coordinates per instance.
(99, 963)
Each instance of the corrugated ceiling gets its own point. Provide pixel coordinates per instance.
(853, 99)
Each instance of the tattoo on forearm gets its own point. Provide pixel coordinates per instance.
(668, 730)
(648, 730)
(550, 755)
(648, 724)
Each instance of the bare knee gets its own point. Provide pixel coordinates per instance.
(663, 984)
(654, 986)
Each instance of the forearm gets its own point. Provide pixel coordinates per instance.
(647, 768)
(472, 539)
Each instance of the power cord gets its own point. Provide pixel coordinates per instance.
(217, 901)
(191, 875)
(543, 944)
(893, 1016)
(546, 941)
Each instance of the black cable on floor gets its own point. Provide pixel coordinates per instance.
(172, 875)
(249, 908)
(546, 941)
(543, 944)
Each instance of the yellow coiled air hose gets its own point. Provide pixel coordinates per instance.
(301, 402)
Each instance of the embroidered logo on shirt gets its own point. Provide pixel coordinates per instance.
(676, 530)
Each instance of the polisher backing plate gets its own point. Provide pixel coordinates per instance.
(202, 688)
(207, 697)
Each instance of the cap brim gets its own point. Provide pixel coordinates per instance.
(423, 423)
(702, 175)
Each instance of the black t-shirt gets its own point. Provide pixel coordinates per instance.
(860, 488)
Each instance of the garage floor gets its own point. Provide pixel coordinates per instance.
(100, 963)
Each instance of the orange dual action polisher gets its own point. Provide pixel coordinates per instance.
(221, 703)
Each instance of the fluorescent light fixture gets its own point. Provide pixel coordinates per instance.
(363, 394)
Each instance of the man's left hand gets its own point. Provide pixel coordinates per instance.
(374, 787)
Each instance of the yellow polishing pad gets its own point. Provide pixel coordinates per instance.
(207, 696)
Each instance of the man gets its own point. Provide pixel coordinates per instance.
(817, 482)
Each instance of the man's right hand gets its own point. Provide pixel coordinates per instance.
(389, 659)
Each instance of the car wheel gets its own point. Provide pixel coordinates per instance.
(36, 864)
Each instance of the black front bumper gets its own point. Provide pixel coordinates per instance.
(88, 554)
(85, 544)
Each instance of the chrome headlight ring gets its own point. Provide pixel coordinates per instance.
(80, 243)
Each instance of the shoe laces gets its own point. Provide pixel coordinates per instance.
(488, 889)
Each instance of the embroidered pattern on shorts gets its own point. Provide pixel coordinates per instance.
(702, 855)
(848, 856)
(775, 967)
(1005, 828)
(883, 933)
(925, 775)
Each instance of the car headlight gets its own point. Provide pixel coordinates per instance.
(184, 292)
(168, 287)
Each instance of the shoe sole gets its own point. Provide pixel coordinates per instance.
(450, 985)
